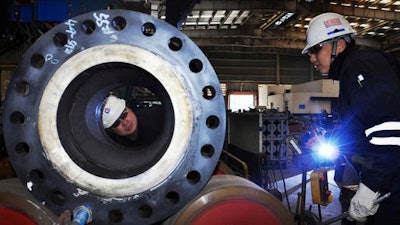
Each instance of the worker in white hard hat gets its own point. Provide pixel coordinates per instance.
(369, 108)
(118, 118)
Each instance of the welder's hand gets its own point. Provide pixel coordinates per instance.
(362, 204)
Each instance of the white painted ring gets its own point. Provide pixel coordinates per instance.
(85, 181)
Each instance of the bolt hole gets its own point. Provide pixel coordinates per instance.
(148, 29)
(22, 149)
(115, 216)
(207, 151)
(212, 122)
(145, 211)
(209, 92)
(36, 176)
(193, 177)
(58, 198)
(172, 197)
(37, 61)
(17, 118)
(119, 23)
(60, 39)
(195, 65)
(23, 88)
(175, 44)
(88, 26)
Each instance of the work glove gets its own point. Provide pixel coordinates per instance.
(362, 204)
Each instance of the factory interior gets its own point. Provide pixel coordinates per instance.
(232, 99)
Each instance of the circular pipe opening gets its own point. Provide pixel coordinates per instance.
(148, 29)
(212, 122)
(195, 65)
(175, 44)
(145, 211)
(209, 92)
(58, 198)
(172, 197)
(17, 118)
(116, 216)
(106, 152)
(88, 26)
(36, 176)
(23, 88)
(119, 23)
(22, 149)
(193, 177)
(37, 61)
(207, 151)
(60, 39)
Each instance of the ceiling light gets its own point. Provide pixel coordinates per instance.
(283, 19)
(396, 3)
(372, 7)
(384, 1)
(364, 25)
(206, 14)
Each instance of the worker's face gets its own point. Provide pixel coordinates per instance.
(320, 57)
(127, 124)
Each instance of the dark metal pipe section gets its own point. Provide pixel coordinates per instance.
(52, 118)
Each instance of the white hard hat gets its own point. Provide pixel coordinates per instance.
(326, 26)
(112, 109)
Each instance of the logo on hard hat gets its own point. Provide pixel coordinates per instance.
(332, 22)
(107, 110)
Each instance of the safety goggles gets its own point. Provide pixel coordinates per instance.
(123, 116)
(316, 48)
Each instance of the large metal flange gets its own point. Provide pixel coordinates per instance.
(52, 118)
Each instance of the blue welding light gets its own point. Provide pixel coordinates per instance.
(327, 150)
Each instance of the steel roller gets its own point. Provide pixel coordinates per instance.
(52, 118)
(233, 200)
(19, 207)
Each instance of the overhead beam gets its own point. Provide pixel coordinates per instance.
(364, 12)
(287, 5)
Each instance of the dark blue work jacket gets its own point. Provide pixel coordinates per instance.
(369, 105)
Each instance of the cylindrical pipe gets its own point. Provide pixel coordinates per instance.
(233, 200)
(52, 117)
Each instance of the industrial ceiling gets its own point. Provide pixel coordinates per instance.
(249, 42)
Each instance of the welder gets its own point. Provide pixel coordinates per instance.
(131, 126)
(369, 108)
